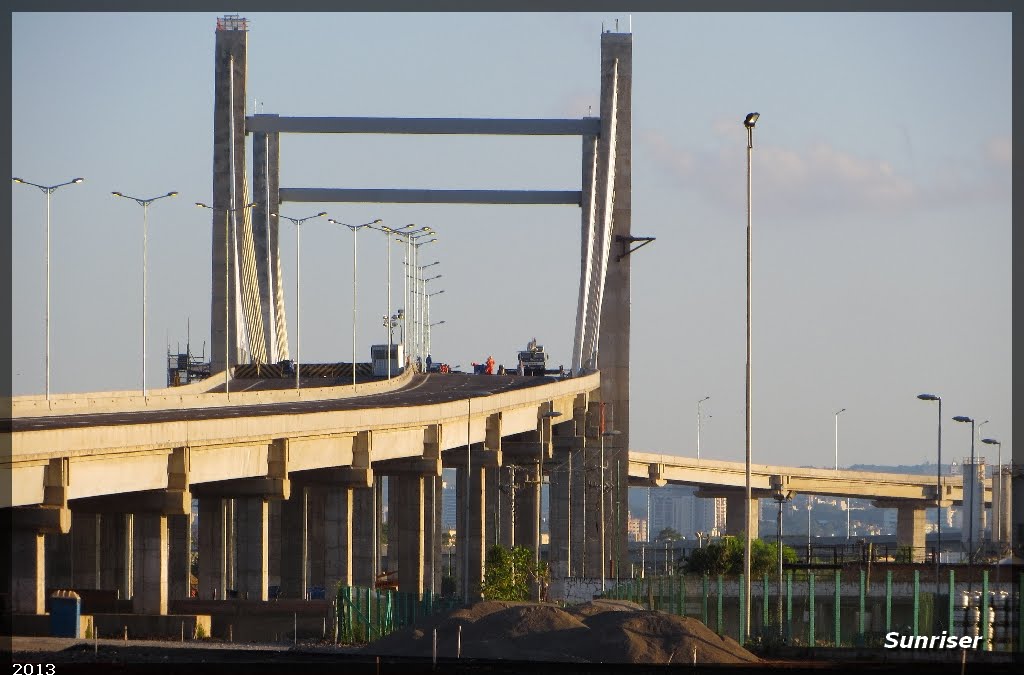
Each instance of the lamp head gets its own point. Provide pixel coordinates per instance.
(928, 397)
(552, 413)
(17, 180)
(332, 220)
(117, 194)
(840, 411)
(171, 194)
(322, 213)
(78, 180)
(751, 120)
(613, 432)
(990, 441)
(202, 205)
(963, 418)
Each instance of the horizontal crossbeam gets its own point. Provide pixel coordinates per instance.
(403, 196)
(423, 125)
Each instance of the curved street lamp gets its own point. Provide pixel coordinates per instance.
(48, 190)
(997, 502)
(938, 490)
(144, 203)
(749, 123)
(355, 266)
(974, 487)
(298, 295)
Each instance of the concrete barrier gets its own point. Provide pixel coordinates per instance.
(177, 398)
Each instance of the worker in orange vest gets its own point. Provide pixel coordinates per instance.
(490, 365)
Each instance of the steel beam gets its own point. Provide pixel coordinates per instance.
(414, 196)
(423, 125)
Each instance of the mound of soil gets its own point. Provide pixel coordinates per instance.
(602, 631)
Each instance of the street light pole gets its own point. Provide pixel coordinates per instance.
(144, 203)
(974, 487)
(698, 424)
(749, 123)
(48, 190)
(298, 288)
(997, 494)
(839, 412)
(355, 277)
(938, 489)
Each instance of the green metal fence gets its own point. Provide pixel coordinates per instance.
(858, 612)
(365, 614)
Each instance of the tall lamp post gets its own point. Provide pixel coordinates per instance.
(388, 321)
(604, 561)
(974, 487)
(298, 289)
(838, 413)
(938, 489)
(144, 203)
(48, 190)
(227, 285)
(749, 123)
(698, 424)
(355, 267)
(997, 493)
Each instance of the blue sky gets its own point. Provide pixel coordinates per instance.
(882, 221)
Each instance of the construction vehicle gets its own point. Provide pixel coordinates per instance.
(534, 359)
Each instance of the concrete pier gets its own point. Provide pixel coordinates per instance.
(213, 545)
(253, 551)
(149, 564)
(28, 571)
(179, 556)
(116, 553)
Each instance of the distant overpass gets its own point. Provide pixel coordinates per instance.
(910, 494)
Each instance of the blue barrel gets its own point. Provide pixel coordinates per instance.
(65, 614)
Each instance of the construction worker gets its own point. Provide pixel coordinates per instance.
(490, 366)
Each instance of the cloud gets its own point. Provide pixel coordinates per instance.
(999, 151)
(810, 181)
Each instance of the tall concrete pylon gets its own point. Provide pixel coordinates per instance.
(614, 309)
(236, 266)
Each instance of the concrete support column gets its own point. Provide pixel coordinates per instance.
(338, 539)
(149, 569)
(910, 530)
(85, 532)
(316, 543)
(28, 568)
(475, 555)
(528, 507)
(492, 506)
(274, 550)
(365, 510)
(231, 541)
(293, 545)
(578, 516)
(506, 506)
(213, 530)
(116, 553)
(252, 557)
(735, 515)
(559, 514)
(59, 564)
(179, 563)
(406, 502)
(433, 558)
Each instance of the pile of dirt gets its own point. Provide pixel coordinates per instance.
(602, 631)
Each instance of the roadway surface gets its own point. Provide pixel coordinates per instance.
(424, 389)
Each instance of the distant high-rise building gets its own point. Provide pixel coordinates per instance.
(637, 529)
